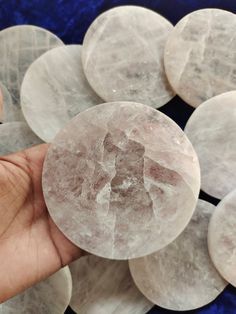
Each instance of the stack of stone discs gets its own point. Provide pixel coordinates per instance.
(121, 179)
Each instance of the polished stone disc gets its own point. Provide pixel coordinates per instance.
(10, 111)
(19, 47)
(121, 180)
(106, 287)
(16, 136)
(54, 90)
(50, 296)
(123, 54)
(181, 276)
(222, 238)
(212, 131)
(1, 103)
(200, 58)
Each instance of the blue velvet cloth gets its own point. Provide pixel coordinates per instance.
(69, 19)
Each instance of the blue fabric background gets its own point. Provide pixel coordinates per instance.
(69, 19)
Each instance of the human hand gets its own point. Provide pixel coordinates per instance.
(31, 246)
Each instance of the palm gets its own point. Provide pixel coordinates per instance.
(31, 246)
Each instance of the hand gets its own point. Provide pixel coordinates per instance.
(31, 246)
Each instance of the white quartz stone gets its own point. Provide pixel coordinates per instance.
(54, 90)
(19, 47)
(1, 103)
(222, 238)
(121, 180)
(200, 57)
(51, 296)
(123, 54)
(102, 286)
(181, 276)
(16, 136)
(10, 111)
(212, 131)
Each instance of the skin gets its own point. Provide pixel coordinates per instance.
(31, 246)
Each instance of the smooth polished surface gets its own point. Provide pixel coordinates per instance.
(16, 136)
(212, 131)
(181, 276)
(106, 287)
(222, 238)
(1, 103)
(123, 52)
(54, 90)
(121, 180)
(19, 47)
(59, 17)
(10, 112)
(200, 56)
(51, 296)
